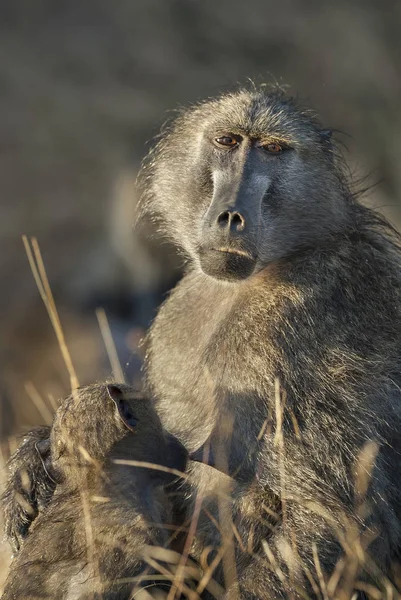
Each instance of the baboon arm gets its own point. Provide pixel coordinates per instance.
(29, 487)
(285, 566)
(319, 531)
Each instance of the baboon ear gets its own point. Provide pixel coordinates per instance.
(123, 407)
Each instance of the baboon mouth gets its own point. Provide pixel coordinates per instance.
(226, 263)
(233, 251)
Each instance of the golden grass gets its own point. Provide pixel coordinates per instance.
(39, 273)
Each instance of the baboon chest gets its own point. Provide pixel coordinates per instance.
(203, 351)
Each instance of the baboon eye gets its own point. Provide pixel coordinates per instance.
(226, 140)
(273, 148)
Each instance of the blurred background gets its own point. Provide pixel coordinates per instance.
(85, 85)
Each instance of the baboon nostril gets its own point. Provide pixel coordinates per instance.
(233, 220)
(238, 221)
(224, 218)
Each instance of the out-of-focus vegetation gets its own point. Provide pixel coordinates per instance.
(84, 85)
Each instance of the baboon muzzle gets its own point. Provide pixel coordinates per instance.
(229, 245)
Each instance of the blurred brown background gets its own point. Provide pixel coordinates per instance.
(83, 87)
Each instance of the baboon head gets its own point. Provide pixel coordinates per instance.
(245, 180)
(101, 419)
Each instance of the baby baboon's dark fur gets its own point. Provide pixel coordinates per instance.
(102, 515)
(290, 280)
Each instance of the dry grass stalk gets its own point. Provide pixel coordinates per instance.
(178, 581)
(192, 570)
(149, 465)
(227, 533)
(42, 282)
(319, 572)
(190, 594)
(105, 330)
(39, 403)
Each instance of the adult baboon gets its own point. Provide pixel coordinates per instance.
(287, 325)
(94, 530)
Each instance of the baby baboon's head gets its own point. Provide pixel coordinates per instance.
(104, 420)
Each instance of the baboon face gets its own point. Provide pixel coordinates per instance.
(92, 421)
(245, 180)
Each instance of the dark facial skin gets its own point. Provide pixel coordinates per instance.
(243, 169)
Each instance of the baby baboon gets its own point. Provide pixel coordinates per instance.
(287, 325)
(92, 534)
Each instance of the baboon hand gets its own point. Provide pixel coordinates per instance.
(29, 487)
